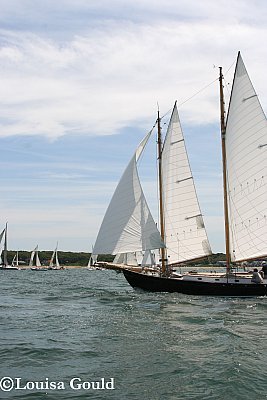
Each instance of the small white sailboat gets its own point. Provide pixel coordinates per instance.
(128, 225)
(92, 263)
(54, 263)
(35, 263)
(4, 262)
(15, 261)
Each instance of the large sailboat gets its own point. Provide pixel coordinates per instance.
(128, 225)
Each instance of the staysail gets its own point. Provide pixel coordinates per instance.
(185, 233)
(246, 159)
(128, 225)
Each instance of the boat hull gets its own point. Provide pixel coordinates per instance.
(39, 269)
(193, 287)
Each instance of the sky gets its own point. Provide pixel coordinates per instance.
(81, 81)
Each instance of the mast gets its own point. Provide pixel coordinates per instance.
(226, 217)
(161, 214)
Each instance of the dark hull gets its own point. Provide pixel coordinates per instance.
(160, 284)
(39, 269)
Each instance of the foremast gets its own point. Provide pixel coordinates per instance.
(164, 270)
(225, 194)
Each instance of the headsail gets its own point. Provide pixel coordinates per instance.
(185, 233)
(128, 225)
(246, 158)
(125, 258)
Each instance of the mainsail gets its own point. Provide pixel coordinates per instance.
(185, 233)
(128, 225)
(246, 159)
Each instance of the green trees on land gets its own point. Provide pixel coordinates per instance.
(65, 257)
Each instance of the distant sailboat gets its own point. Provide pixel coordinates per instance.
(54, 263)
(15, 261)
(35, 263)
(4, 262)
(92, 263)
(128, 225)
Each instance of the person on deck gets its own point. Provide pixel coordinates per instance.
(256, 276)
(263, 271)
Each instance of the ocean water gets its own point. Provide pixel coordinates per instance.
(76, 327)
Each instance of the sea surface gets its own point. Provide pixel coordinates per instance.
(85, 326)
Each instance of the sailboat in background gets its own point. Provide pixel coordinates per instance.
(92, 263)
(15, 261)
(35, 263)
(54, 263)
(128, 225)
(4, 262)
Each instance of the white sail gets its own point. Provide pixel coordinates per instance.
(126, 259)
(36, 255)
(57, 262)
(1, 245)
(51, 262)
(15, 261)
(246, 158)
(128, 225)
(5, 262)
(32, 256)
(148, 259)
(54, 259)
(118, 259)
(92, 260)
(185, 233)
(38, 262)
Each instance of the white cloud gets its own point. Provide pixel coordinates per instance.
(113, 76)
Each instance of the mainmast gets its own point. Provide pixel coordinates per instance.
(226, 217)
(161, 211)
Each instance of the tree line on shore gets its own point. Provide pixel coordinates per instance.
(65, 257)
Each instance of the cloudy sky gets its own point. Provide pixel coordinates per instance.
(80, 82)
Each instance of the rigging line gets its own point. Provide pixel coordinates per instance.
(201, 90)
(226, 84)
(191, 97)
(233, 63)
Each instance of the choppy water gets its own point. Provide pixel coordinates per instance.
(61, 325)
